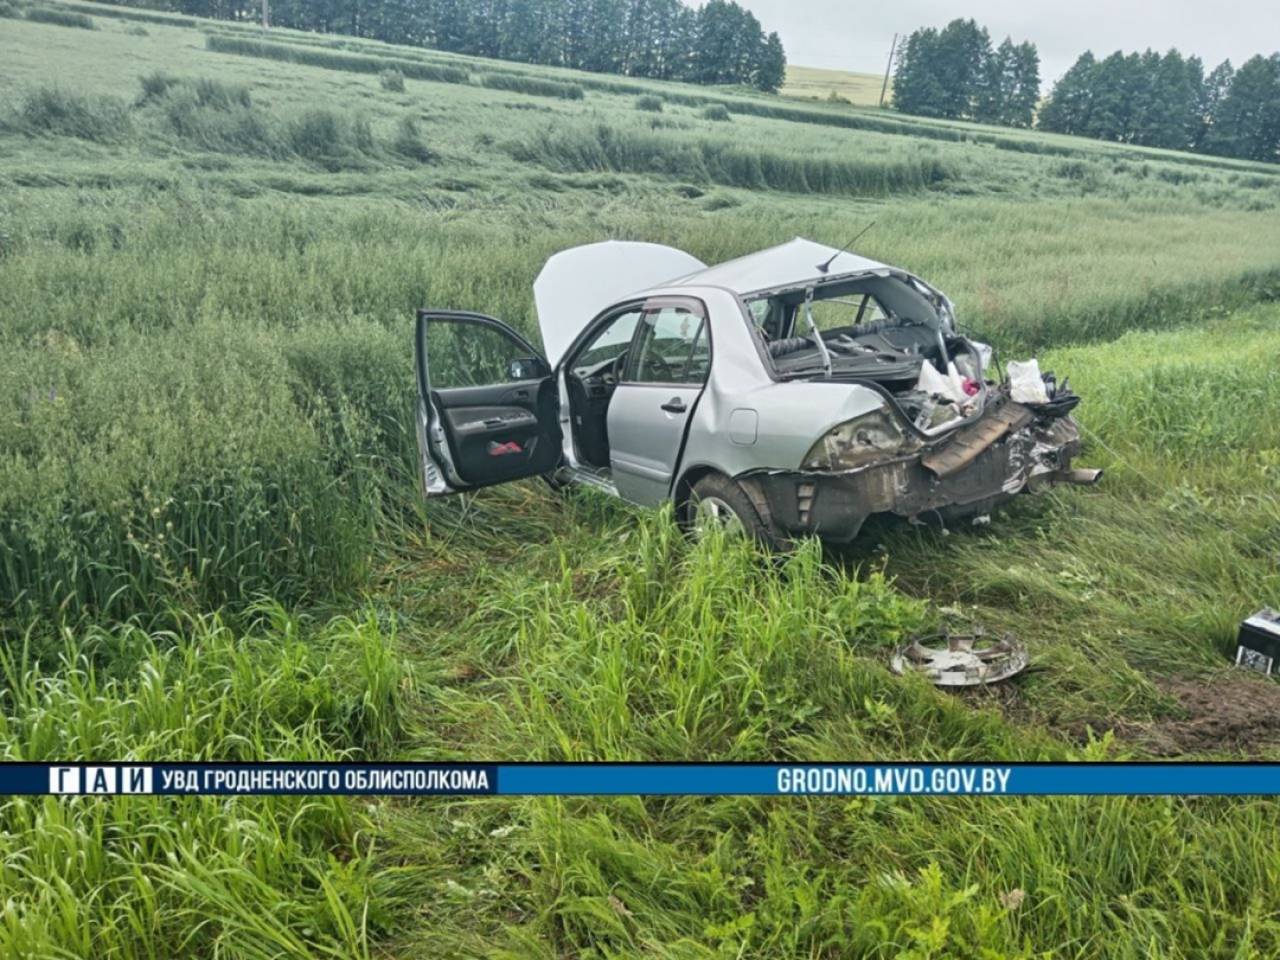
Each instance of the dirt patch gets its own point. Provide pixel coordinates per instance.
(1234, 714)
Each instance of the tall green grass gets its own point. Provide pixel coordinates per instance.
(131, 13)
(61, 18)
(244, 368)
(212, 465)
(214, 115)
(144, 877)
(55, 111)
(534, 85)
(391, 80)
(621, 642)
(150, 393)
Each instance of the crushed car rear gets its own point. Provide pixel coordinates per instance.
(939, 433)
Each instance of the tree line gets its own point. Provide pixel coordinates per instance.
(1150, 99)
(717, 43)
(955, 73)
(1167, 100)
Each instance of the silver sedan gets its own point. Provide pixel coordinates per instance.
(792, 392)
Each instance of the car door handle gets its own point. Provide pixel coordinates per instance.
(674, 405)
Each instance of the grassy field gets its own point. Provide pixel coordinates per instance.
(815, 83)
(211, 247)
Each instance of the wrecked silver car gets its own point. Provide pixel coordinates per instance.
(795, 391)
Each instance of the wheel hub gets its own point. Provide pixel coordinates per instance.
(713, 512)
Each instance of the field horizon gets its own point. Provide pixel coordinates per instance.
(212, 245)
(825, 83)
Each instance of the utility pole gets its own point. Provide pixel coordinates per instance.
(887, 67)
(266, 15)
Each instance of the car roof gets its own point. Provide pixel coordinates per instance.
(793, 263)
(578, 283)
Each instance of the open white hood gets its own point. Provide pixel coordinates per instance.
(576, 284)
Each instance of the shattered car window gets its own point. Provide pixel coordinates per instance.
(845, 312)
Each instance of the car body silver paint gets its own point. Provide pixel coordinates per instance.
(744, 426)
(790, 417)
(645, 440)
(656, 448)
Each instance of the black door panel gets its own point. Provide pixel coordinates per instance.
(523, 393)
(492, 431)
(491, 444)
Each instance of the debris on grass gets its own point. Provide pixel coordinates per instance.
(1258, 644)
(962, 660)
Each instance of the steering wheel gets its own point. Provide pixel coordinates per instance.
(657, 369)
(615, 368)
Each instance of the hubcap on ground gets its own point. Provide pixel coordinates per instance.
(714, 513)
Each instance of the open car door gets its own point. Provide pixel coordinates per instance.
(488, 411)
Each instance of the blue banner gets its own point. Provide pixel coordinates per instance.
(670, 779)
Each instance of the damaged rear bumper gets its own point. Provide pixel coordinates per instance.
(1010, 449)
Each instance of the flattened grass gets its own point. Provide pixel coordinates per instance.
(725, 161)
(334, 60)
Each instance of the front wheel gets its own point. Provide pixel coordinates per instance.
(718, 503)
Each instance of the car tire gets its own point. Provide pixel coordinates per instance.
(718, 500)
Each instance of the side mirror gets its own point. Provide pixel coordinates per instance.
(526, 368)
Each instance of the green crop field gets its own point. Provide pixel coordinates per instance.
(212, 243)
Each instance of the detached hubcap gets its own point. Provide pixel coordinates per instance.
(714, 513)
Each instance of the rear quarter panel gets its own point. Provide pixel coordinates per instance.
(788, 417)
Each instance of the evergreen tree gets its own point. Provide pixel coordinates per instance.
(1114, 83)
(1024, 94)
(954, 73)
(1246, 123)
(1145, 118)
(961, 53)
(1212, 92)
(771, 69)
(1070, 104)
(993, 95)
(1175, 86)
(916, 86)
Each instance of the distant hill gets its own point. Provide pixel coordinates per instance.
(813, 83)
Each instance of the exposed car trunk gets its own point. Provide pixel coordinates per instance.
(889, 330)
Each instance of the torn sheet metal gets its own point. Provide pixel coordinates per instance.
(970, 441)
(962, 660)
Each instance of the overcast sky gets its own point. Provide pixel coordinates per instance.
(852, 35)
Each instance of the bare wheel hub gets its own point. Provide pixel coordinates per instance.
(712, 512)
